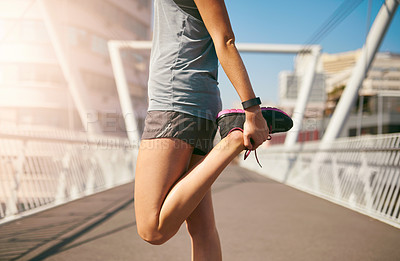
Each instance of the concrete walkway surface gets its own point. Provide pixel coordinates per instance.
(257, 219)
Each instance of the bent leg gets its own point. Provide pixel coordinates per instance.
(160, 163)
(162, 206)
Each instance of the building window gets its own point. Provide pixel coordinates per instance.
(134, 58)
(117, 16)
(88, 41)
(17, 73)
(32, 31)
(99, 45)
(78, 37)
(99, 83)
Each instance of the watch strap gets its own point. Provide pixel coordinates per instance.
(251, 102)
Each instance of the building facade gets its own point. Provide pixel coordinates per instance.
(290, 84)
(55, 68)
(377, 109)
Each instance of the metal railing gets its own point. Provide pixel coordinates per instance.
(361, 173)
(42, 169)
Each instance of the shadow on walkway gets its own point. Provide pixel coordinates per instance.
(257, 218)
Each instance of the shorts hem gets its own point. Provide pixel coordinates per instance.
(195, 131)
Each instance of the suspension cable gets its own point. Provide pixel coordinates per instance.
(344, 10)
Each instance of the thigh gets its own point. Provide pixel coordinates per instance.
(202, 218)
(160, 163)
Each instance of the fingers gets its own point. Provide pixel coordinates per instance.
(255, 132)
(247, 142)
(253, 141)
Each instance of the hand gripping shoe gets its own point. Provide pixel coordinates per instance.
(233, 119)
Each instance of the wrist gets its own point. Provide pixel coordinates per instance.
(253, 109)
(251, 102)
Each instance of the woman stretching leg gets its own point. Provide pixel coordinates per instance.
(174, 173)
(168, 194)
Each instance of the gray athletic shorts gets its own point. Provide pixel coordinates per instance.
(196, 131)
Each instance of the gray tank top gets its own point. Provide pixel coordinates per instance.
(183, 63)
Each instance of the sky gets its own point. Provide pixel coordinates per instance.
(294, 22)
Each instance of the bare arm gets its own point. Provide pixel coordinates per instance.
(217, 22)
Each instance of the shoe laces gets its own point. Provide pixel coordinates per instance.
(247, 152)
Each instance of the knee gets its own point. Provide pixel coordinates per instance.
(151, 236)
(151, 233)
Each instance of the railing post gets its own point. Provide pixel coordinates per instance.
(42, 171)
(365, 174)
(12, 208)
(62, 180)
(336, 180)
(90, 177)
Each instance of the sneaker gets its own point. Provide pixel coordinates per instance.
(233, 119)
(277, 120)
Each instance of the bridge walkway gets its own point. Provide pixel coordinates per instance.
(257, 218)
